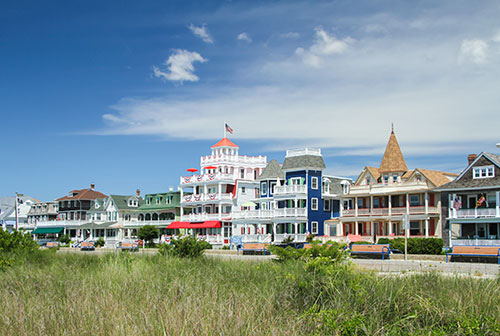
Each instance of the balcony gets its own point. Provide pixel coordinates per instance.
(290, 190)
(303, 151)
(61, 223)
(290, 212)
(256, 238)
(297, 238)
(226, 158)
(253, 214)
(397, 211)
(215, 177)
(205, 217)
(213, 197)
(475, 213)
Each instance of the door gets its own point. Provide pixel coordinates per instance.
(471, 202)
(481, 230)
(360, 229)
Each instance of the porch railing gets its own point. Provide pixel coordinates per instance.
(290, 212)
(290, 189)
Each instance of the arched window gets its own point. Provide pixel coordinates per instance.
(141, 217)
(148, 217)
(155, 216)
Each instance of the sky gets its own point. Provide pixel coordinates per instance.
(128, 94)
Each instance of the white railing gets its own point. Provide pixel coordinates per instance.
(380, 211)
(303, 151)
(348, 212)
(398, 211)
(212, 239)
(256, 238)
(474, 213)
(363, 212)
(253, 214)
(475, 241)
(290, 189)
(290, 212)
(205, 217)
(207, 197)
(297, 238)
(214, 159)
(206, 178)
(61, 223)
(142, 223)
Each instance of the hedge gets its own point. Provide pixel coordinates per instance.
(416, 245)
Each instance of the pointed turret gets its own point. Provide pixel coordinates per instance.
(393, 160)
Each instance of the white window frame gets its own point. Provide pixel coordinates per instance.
(243, 190)
(273, 185)
(314, 182)
(483, 172)
(313, 207)
(263, 188)
(314, 227)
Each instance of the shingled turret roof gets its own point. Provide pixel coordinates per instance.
(393, 160)
(273, 170)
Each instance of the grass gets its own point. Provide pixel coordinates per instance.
(70, 294)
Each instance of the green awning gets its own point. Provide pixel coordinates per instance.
(47, 230)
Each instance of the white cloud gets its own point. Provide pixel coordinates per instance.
(324, 45)
(475, 50)
(202, 33)
(180, 66)
(244, 37)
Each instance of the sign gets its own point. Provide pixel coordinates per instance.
(406, 222)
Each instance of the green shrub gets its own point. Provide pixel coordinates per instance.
(148, 233)
(16, 241)
(288, 240)
(99, 242)
(189, 247)
(225, 247)
(309, 238)
(333, 251)
(362, 242)
(64, 239)
(432, 246)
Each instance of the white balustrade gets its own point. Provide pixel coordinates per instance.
(290, 212)
(206, 178)
(473, 213)
(290, 189)
(253, 214)
(207, 197)
(214, 159)
(205, 217)
(303, 151)
(297, 238)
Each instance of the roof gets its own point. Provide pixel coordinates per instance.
(438, 178)
(272, 170)
(225, 142)
(494, 157)
(393, 160)
(121, 201)
(372, 170)
(304, 161)
(335, 186)
(85, 194)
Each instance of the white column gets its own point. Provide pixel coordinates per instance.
(356, 231)
(390, 227)
(296, 229)
(427, 228)
(389, 203)
(371, 205)
(219, 187)
(426, 202)
(356, 207)
(372, 229)
(498, 205)
(407, 204)
(182, 209)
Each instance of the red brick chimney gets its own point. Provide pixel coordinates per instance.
(92, 186)
(138, 192)
(471, 158)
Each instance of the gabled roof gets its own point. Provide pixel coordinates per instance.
(272, 171)
(225, 142)
(121, 201)
(372, 170)
(335, 184)
(438, 178)
(83, 194)
(393, 160)
(304, 161)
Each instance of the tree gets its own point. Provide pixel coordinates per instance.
(148, 233)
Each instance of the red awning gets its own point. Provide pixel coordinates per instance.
(195, 225)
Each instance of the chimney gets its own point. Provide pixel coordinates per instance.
(138, 192)
(92, 186)
(471, 158)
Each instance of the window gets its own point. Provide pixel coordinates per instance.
(98, 216)
(314, 182)
(326, 187)
(148, 200)
(273, 184)
(483, 172)
(314, 203)
(395, 178)
(326, 205)
(314, 227)
(243, 190)
(348, 204)
(386, 179)
(263, 188)
(242, 173)
(367, 181)
(414, 200)
(333, 229)
(360, 203)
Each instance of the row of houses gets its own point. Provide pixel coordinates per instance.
(234, 197)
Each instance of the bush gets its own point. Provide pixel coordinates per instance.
(309, 238)
(148, 233)
(189, 247)
(362, 242)
(16, 241)
(64, 239)
(332, 251)
(99, 242)
(416, 245)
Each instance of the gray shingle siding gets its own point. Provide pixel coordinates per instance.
(467, 181)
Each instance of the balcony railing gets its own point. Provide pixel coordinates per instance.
(475, 213)
(256, 238)
(290, 212)
(205, 217)
(213, 197)
(214, 159)
(290, 189)
(206, 178)
(61, 223)
(257, 214)
(397, 211)
(303, 151)
(297, 238)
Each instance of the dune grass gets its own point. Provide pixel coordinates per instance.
(125, 294)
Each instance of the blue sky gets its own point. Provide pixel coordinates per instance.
(129, 94)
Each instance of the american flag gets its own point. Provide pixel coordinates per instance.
(229, 129)
(457, 203)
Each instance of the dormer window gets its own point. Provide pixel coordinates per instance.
(483, 172)
(395, 178)
(418, 178)
(386, 179)
(367, 181)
